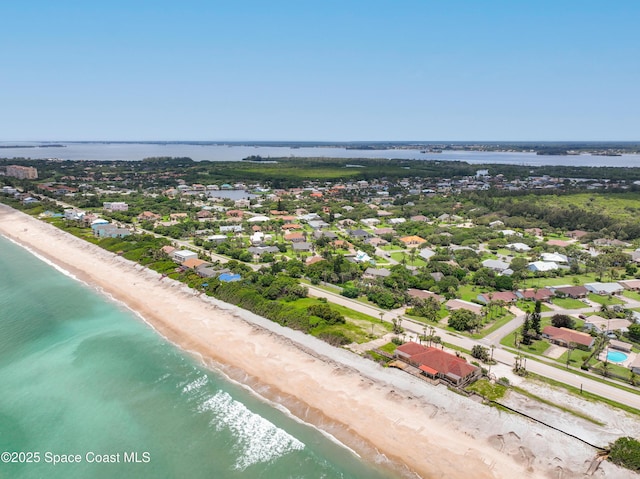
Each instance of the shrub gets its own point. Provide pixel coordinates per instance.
(625, 452)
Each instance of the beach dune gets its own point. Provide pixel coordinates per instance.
(380, 413)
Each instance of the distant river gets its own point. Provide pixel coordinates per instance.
(138, 151)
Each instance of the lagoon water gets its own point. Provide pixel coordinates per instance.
(216, 152)
(80, 374)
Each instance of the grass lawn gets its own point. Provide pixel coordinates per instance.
(569, 303)
(359, 326)
(470, 292)
(608, 300)
(490, 391)
(498, 323)
(537, 347)
(632, 294)
(576, 357)
(417, 262)
(559, 281)
(530, 306)
(389, 348)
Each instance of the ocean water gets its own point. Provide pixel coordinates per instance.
(212, 152)
(84, 379)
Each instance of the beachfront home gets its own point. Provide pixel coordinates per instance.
(183, 255)
(102, 230)
(435, 363)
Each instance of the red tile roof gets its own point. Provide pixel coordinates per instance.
(437, 360)
(568, 336)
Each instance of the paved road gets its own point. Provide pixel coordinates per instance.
(414, 328)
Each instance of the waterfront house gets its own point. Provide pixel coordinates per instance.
(438, 364)
(183, 255)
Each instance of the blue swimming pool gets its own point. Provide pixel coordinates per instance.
(616, 356)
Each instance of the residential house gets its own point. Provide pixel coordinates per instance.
(295, 237)
(506, 296)
(630, 284)
(604, 289)
(454, 304)
(373, 273)
(436, 363)
(426, 253)
(603, 325)
(194, 263)
(115, 206)
(532, 294)
(183, 255)
(359, 234)
(302, 246)
(575, 292)
(542, 266)
(423, 294)
(148, 216)
(564, 337)
(231, 229)
(495, 265)
(554, 258)
(109, 231)
(412, 241)
(520, 247)
(258, 251)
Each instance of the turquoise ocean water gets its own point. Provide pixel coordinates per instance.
(80, 375)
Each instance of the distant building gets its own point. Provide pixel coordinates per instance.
(22, 172)
(115, 206)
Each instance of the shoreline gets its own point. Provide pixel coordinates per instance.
(428, 430)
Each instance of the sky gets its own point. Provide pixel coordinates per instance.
(311, 70)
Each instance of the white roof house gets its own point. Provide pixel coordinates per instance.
(258, 219)
(426, 253)
(604, 288)
(519, 247)
(495, 264)
(554, 257)
(542, 266)
(183, 255)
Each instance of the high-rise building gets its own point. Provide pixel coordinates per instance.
(22, 172)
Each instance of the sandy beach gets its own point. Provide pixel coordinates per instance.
(380, 413)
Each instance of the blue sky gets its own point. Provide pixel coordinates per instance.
(320, 70)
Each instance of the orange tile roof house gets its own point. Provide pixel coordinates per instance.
(294, 237)
(413, 240)
(564, 336)
(436, 363)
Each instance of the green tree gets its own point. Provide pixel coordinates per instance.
(562, 321)
(536, 317)
(480, 352)
(464, 320)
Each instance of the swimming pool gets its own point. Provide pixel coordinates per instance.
(616, 356)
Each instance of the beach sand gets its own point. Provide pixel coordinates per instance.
(380, 413)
